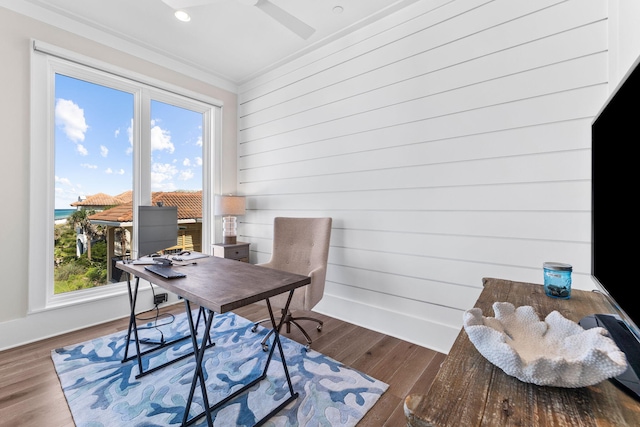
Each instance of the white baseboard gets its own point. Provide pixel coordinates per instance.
(49, 323)
(418, 331)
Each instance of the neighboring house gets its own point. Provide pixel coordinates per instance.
(97, 202)
(118, 221)
(101, 201)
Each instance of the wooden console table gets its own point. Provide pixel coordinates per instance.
(470, 391)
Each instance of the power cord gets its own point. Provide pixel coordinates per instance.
(154, 319)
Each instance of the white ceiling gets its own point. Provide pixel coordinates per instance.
(231, 39)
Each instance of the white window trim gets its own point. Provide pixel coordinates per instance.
(46, 60)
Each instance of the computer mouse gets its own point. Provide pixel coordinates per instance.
(187, 253)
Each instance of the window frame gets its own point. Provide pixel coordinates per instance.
(47, 61)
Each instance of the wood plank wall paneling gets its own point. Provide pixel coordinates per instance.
(449, 141)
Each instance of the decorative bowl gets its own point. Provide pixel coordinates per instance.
(555, 352)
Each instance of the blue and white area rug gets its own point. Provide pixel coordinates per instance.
(103, 392)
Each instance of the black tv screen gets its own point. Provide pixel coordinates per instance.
(614, 132)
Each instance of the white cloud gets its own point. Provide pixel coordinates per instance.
(63, 180)
(81, 150)
(108, 171)
(70, 117)
(161, 139)
(88, 166)
(198, 161)
(129, 149)
(185, 175)
(116, 133)
(104, 151)
(66, 193)
(161, 176)
(165, 186)
(186, 162)
(119, 172)
(164, 168)
(199, 141)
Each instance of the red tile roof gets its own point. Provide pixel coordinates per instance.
(121, 213)
(189, 205)
(99, 199)
(125, 197)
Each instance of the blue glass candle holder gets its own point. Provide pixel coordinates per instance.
(557, 279)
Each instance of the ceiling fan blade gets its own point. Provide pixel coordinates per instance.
(285, 18)
(184, 4)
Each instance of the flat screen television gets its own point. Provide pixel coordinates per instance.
(613, 231)
(157, 229)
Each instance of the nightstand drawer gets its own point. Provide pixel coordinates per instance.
(238, 251)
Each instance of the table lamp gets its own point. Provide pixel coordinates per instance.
(228, 207)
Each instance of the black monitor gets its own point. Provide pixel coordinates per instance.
(157, 229)
(614, 132)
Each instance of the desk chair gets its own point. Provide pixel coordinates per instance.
(300, 246)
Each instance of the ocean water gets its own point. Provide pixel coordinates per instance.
(62, 213)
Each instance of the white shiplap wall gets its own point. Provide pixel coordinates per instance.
(449, 141)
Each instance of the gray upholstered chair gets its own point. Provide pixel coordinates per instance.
(300, 246)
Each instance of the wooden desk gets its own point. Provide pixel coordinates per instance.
(219, 285)
(470, 391)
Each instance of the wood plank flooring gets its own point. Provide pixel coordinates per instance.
(30, 393)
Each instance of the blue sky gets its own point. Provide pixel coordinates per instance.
(93, 150)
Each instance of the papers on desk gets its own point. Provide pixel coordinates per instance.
(145, 260)
(185, 256)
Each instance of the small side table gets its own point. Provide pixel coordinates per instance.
(238, 251)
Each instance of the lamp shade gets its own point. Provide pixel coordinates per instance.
(228, 205)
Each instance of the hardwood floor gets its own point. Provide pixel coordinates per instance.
(30, 393)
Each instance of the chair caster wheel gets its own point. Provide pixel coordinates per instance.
(255, 328)
(319, 328)
(265, 347)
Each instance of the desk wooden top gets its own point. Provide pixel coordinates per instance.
(470, 391)
(221, 284)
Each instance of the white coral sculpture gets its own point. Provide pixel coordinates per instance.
(557, 352)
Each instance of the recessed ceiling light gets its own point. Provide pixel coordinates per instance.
(338, 10)
(182, 16)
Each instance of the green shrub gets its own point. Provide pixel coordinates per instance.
(99, 252)
(76, 283)
(97, 275)
(71, 272)
(67, 271)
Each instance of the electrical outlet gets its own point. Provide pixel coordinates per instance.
(160, 298)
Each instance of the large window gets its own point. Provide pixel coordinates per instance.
(105, 141)
(93, 169)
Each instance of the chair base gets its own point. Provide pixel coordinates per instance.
(288, 321)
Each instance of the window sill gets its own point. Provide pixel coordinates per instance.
(89, 295)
